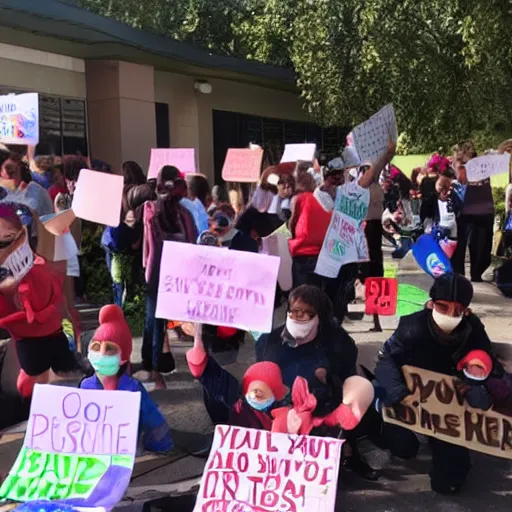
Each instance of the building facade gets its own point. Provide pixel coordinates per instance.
(115, 92)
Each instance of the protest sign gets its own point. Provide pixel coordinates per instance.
(296, 152)
(205, 284)
(258, 471)
(371, 138)
(79, 447)
(345, 241)
(440, 411)
(184, 159)
(276, 244)
(381, 296)
(98, 197)
(483, 167)
(19, 119)
(242, 165)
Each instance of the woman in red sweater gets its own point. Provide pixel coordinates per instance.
(30, 304)
(308, 224)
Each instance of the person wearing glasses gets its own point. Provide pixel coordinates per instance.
(312, 346)
(445, 337)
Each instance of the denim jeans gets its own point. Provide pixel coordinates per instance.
(117, 288)
(154, 334)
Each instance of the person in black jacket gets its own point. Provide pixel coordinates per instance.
(313, 347)
(438, 339)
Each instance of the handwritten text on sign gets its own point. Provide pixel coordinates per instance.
(442, 412)
(242, 165)
(257, 471)
(371, 138)
(483, 167)
(184, 159)
(217, 286)
(381, 296)
(69, 420)
(19, 119)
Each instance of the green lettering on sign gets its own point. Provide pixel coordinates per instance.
(42, 475)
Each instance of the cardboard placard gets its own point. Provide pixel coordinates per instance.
(298, 152)
(259, 471)
(371, 138)
(483, 167)
(98, 197)
(79, 445)
(440, 411)
(19, 119)
(242, 165)
(184, 159)
(381, 296)
(217, 286)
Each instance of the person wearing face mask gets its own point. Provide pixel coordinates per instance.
(445, 337)
(246, 404)
(313, 347)
(31, 303)
(109, 353)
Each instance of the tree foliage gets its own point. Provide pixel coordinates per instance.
(445, 64)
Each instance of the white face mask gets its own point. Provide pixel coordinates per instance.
(446, 323)
(20, 261)
(302, 332)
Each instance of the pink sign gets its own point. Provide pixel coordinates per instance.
(79, 421)
(98, 197)
(184, 159)
(258, 471)
(216, 286)
(242, 165)
(296, 152)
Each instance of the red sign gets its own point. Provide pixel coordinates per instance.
(381, 296)
(242, 165)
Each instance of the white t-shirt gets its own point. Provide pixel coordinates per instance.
(345, 241)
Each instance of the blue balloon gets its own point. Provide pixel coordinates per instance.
(430, 257)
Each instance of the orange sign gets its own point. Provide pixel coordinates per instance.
(242, 165)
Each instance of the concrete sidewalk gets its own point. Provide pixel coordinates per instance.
(402, 487)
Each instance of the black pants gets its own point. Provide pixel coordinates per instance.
(375, 267)
(450, 463)
(340, 289)
(475, 231)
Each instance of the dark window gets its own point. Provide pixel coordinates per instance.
(232, 130)
(62, 125)
(163, 135)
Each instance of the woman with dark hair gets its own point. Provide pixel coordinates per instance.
(312, 346)
(133, 173)
(164, 220)
(198, 201)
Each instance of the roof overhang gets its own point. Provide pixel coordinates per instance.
(58, 27)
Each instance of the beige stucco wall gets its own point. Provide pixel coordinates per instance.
(43, 79)
(190, 113)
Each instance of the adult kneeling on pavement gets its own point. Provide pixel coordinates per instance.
(445, 337)
(313, 347)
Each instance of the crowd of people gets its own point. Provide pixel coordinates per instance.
(312, 354)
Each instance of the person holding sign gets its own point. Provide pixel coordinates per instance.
(31, 304)
(313, 347)
(445, 337)
(345, 242)
(109, 353)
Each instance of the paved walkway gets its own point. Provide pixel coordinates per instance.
(402, 487)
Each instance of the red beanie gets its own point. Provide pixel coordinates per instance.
(270, 374)
(113, 327)
(478, 358)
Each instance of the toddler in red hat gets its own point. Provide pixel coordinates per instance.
(248, 404)
(109, 354)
